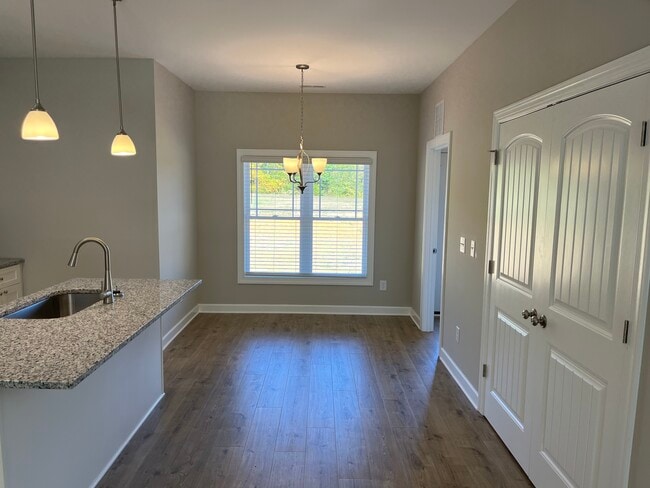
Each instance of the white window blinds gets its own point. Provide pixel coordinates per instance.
(322, 233)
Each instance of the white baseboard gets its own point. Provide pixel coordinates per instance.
(304, 309)
(415, 318)
(470, 392)
(124, 444)
(178, 328)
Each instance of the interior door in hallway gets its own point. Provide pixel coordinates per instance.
(523, 151)
(590, 255)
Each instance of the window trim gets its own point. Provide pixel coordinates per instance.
(275, 154)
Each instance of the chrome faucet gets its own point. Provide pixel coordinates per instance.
(108, 293)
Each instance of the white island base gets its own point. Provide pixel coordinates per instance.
(69, 438)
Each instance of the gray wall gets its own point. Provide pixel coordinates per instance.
(532, 47)
(385, 123)
(54, 193)
(527, 50)
(174, 104)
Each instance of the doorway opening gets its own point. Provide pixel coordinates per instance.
(436, 192)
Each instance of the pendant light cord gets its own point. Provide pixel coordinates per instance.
(117, 63)
(37, 97)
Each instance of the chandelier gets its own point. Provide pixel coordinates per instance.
(294, 166)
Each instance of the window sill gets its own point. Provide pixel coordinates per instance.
(304, 280)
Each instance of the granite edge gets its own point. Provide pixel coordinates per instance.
(44, 385)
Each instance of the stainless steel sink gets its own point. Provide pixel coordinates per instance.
(56, 306)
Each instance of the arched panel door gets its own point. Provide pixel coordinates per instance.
(524, 151)
(589, 286)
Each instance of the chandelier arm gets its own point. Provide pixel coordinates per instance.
(316, 180)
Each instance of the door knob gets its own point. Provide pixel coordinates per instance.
(541, 320)
(529, 313)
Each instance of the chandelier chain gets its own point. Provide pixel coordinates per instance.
(302, 106)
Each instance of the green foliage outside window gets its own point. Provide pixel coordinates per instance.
(339, 181)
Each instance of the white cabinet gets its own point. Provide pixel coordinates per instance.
(11, 284)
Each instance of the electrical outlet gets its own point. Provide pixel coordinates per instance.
(462, 245)
(458, 333)
(383, 285)
(472, 248)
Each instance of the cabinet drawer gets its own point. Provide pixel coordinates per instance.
(10, 293)
(10, 276)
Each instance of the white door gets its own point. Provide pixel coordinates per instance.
(570, 215)
(590, 253)
(441, 193)
(515, 282)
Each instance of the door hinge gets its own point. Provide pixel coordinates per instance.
(644, 133)
(494, 154)
(626, 331)
(491, 266)
(485, 371)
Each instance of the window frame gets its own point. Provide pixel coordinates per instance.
(276, 155)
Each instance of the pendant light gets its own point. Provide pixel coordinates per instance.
(293, 166)
(37, 125)
(122, 143)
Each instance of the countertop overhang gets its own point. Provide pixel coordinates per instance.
(60, 353)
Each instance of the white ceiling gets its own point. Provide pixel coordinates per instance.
(353, 46)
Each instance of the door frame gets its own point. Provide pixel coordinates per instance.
(622, 69)
(434, 150)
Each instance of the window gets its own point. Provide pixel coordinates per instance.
(324, 236)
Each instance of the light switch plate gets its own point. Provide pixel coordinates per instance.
(472, 248)
(383, 285)
(462, 245)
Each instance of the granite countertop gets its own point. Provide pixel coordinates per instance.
(6, 262)
(60, 353)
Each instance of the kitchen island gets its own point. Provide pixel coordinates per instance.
(73, 390)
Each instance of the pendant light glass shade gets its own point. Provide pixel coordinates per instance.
(291, 165)
(319, 164)
(37, 125)
(123, 145)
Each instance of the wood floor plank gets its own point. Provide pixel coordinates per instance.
(351, 447)
(275, 383)
(288, 470)
(320, 461)
(342, 374)
(252, 467)
(321, 397)
(367, 388)
(322, 401)
(292, 434)
(384, 453)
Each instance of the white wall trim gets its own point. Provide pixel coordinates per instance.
(619, 70)
(128, 439)
(304, 309)
(416, 318)
(171, 334)
(465, 385)
(434, 150)
(630, 66)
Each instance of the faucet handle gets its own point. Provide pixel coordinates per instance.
(118, 293)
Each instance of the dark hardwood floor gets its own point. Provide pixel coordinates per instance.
(313, 401)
